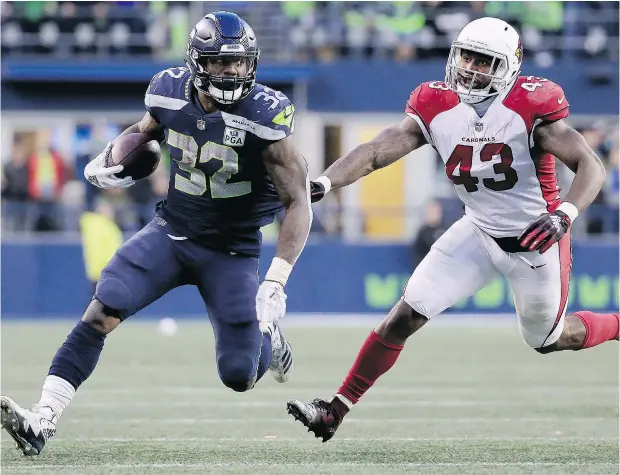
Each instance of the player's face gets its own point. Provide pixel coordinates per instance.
(234, 66)
(471, 63)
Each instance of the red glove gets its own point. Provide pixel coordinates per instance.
(543, 233)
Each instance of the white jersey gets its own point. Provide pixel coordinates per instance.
(503, 179)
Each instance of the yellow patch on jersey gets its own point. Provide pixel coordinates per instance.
(285, 117)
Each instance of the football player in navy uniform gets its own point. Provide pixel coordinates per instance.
(234, 167)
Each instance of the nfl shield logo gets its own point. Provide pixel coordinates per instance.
(200, 124)
(478, 127)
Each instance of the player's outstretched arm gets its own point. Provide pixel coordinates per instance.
(386, 148)
(569, 146)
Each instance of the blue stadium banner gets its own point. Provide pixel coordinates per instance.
(48, 280)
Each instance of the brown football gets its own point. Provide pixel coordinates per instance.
(138, 154)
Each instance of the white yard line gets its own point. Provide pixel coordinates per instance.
(304, 320)
(276, 439)
(369, 320)
(310, 465)
(287, 420)
(369, 404)
(423, 387)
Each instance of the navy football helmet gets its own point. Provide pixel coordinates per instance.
(222, 36)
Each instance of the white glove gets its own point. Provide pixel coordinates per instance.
(102, 176)
(270, 303)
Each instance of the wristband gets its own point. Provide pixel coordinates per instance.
(569, 209)
(279, 270)
(326, 182)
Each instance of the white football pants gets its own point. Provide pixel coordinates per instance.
(465, 259)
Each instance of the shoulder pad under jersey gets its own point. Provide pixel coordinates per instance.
(427, 101)
(168, 90)
(265, 112)
(537, 99)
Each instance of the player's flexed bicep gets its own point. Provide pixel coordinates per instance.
(547, 107)
(569, 146)
(387, 147)
(561, 140)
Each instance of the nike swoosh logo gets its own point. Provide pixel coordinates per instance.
(288, 115)
(561, 100)
(176, 238)
(530, 264)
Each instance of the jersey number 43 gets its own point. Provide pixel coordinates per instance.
(462, 157)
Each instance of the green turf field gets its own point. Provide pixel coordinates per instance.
(490, 406)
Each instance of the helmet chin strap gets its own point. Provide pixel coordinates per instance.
(467, 98)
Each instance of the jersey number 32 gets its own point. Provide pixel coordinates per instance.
(193, 181)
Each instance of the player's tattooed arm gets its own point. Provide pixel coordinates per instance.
(569, 146)
(386, 148)
(289, 172)
(147, 125)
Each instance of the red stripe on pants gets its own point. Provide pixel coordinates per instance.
(566, 263)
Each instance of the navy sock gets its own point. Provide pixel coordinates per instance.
(76, 359)
(265, 356)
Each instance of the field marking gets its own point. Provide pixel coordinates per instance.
(273, 438)
(297, 320)
(369, 404)
(313, 464)
(284, 420)
(424, 386)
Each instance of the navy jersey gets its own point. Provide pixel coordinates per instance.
(219, 191)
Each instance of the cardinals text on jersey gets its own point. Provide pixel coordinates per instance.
(502, 177)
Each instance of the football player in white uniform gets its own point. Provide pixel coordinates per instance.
(498, 134)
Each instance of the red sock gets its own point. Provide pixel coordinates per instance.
(600, 327)
(376, 357)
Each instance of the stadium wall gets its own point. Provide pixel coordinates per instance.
(344, 86)
(47, 280)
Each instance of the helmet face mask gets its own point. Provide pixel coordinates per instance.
(224, 88)
(489, 40)
(222, 55)
(474, 81)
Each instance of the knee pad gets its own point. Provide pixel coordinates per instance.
(115, 297)
(236, 371)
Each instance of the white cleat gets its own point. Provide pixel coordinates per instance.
(29, 429)
(281, 365)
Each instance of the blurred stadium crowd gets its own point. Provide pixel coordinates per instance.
(44, 190)
(306, 30)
